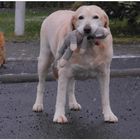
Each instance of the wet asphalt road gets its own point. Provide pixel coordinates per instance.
(18, 121)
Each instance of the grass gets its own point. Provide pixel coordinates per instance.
(34, 19)
(7, 23)
(124, 33)
(33, 22)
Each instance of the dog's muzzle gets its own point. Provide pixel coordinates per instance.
(87, 29)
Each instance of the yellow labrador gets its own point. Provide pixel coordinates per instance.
(97, 58)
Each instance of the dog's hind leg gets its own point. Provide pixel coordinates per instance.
(73, 104)
(44, 62)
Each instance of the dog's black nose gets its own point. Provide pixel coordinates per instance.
(87, 29)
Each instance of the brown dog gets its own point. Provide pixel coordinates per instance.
(2, 49)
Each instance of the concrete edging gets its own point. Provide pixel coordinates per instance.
(28, 77)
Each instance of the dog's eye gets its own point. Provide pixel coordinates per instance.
(95, 17)
(81, 17)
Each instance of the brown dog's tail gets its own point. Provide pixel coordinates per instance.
(2, 49)
(2, 40)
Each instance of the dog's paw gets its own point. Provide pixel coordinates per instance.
(61, 119)
(38, 107)
(110, 117)
(75, 106)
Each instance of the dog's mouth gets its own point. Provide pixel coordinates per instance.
(89, 37)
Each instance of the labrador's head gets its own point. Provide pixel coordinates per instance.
(88, 18)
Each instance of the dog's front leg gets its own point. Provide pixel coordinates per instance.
(104, 80)
(59, 116)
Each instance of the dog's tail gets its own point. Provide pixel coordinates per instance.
(2, 41)
(2, 49)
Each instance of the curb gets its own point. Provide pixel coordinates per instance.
(27, 77)
(23, 77)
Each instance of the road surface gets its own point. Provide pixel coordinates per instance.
(16, 100)
(18, 121)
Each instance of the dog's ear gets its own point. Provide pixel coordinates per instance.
(73, 22)
(105, 20)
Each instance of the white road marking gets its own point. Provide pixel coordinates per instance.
(125, 56)
(36, 58)
(10, 59)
